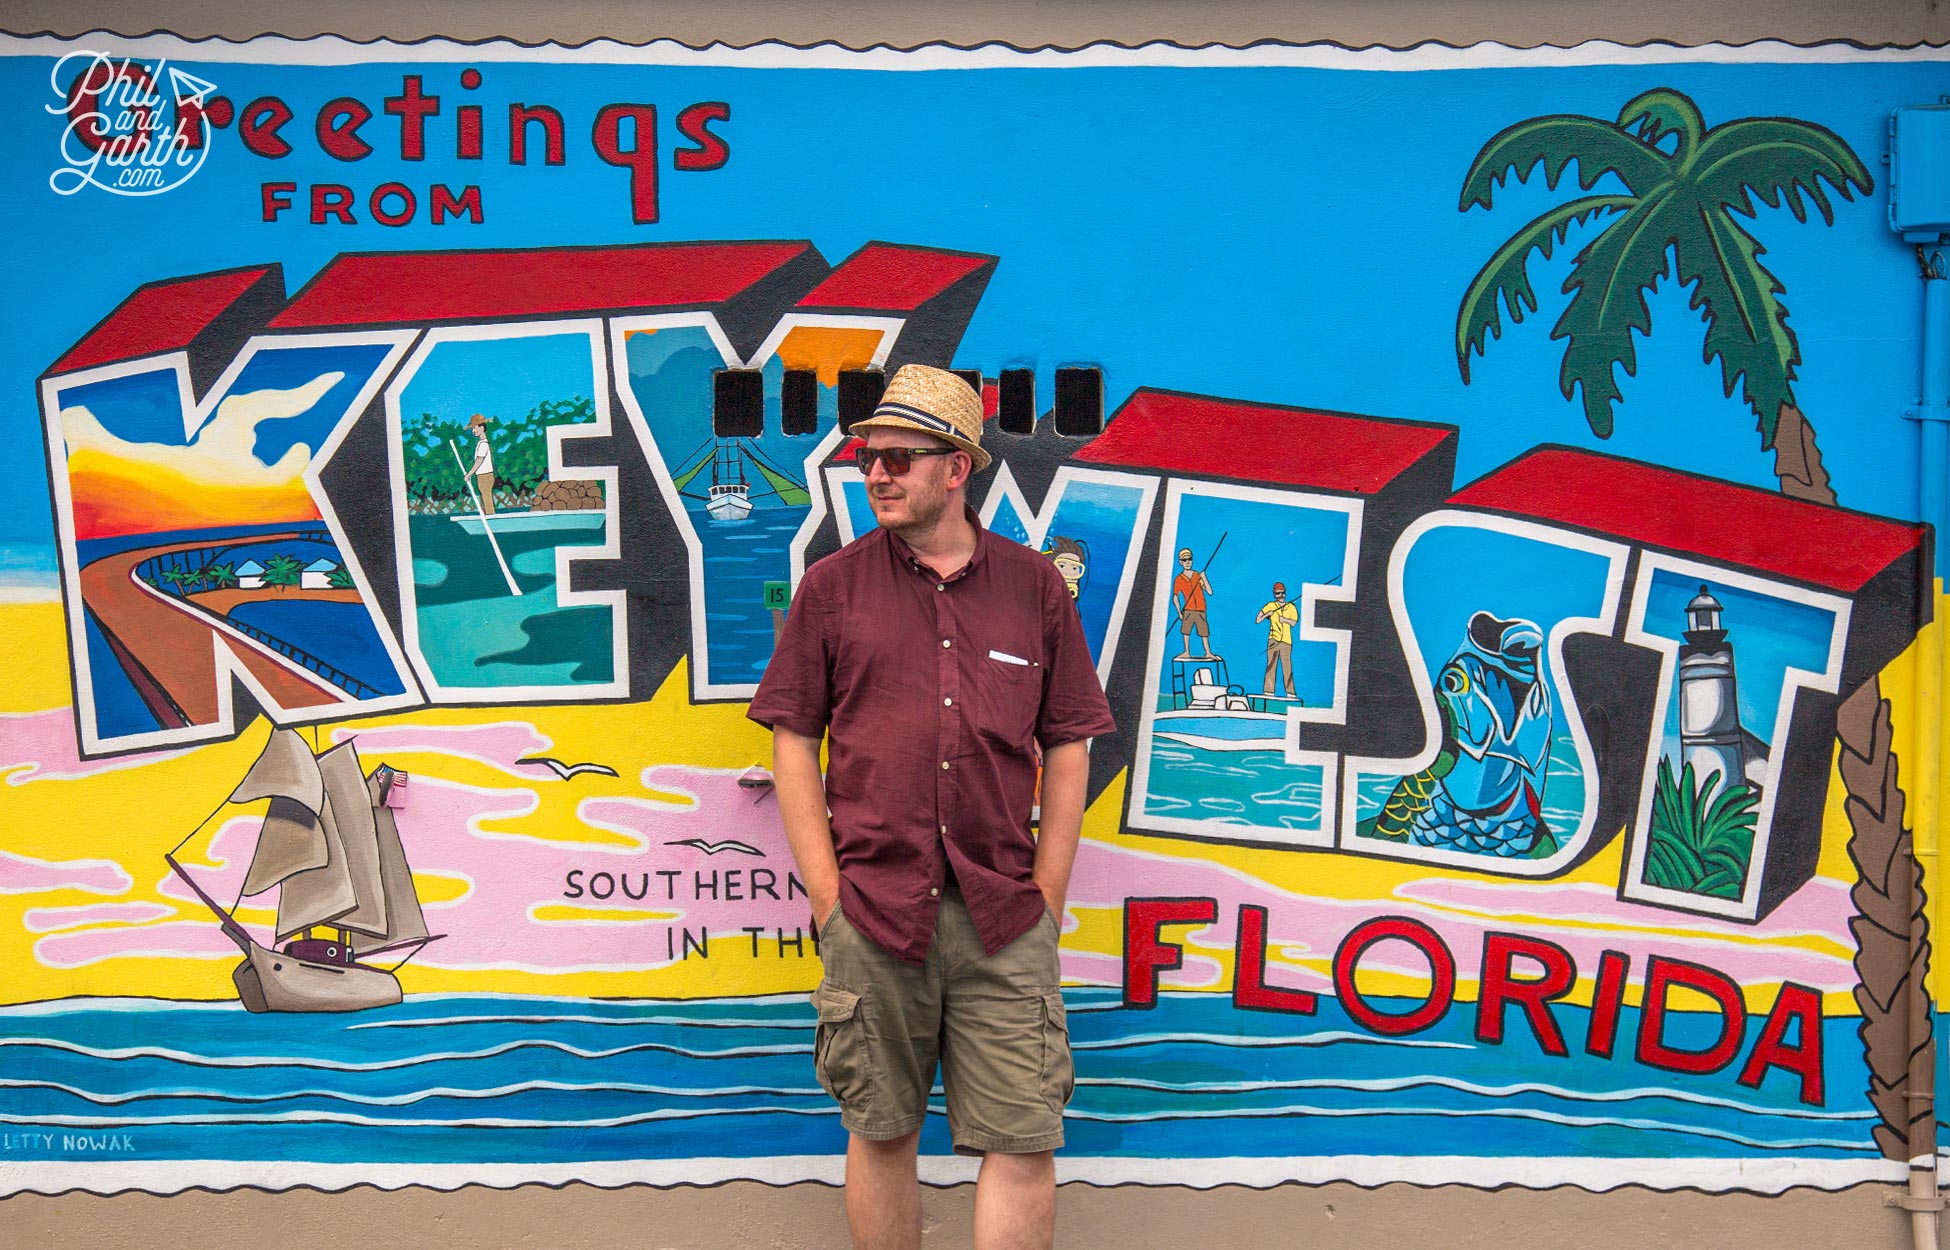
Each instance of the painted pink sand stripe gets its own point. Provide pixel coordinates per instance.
(21, 874)
(50, 919)
(41, 746)
(497, 745)
(183, 940)
(1818, 909)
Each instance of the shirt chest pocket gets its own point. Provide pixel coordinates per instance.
(1006, 689)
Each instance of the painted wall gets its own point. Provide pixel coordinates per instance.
(1427, 876)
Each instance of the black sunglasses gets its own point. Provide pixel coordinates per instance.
(897, 459)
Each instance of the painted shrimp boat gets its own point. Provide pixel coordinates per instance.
(731, 494)
(332, 846)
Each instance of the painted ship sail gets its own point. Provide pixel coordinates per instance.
(331, 846)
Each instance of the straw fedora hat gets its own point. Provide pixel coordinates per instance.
(933, 401)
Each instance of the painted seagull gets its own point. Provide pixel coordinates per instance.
(566, 771)
(712, 848)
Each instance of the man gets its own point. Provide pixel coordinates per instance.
(1280, 617)
(1188, 591)
(483, 468)
(937, 657)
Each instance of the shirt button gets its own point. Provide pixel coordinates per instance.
(941, 585)
(944, 764)
(944, 829)
(947, 642)
(947, 703)
(934, 891)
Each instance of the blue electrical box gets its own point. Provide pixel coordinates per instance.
(1919, 172)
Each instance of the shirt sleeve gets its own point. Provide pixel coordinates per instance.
(796, 692)
(1073, 699)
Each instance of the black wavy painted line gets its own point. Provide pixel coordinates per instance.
(565, 1186)
(947, 45)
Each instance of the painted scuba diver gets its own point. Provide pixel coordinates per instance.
(1484, 792)
(1071, 557)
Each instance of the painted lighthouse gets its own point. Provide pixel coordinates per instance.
(1711, 738)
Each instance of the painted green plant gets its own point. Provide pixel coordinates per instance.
(222, 576)
(1702, 841)
(435, 452)
(283, 572)
(1687, 199)
(340, 578)
(181, 579)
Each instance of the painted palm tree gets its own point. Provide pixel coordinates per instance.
(282, 572)
(1688, 195)
(221, 576)
(1686, 189)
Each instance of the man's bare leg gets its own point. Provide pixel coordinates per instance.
(1015, 1201)
(883, 1193)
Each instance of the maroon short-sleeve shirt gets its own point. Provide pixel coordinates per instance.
(936, 693)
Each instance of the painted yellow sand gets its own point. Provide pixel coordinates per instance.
(568, 913)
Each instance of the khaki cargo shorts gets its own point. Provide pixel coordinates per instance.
(994, 1023)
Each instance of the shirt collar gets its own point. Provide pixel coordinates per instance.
(905, 554)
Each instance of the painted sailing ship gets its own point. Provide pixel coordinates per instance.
(331, 845)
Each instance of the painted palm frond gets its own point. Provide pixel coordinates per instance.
(1777, 160)
(1608, 285)
(1505, 281)
(1684, 185)
(1746, 322)
(1556, 142)
(1661, 112)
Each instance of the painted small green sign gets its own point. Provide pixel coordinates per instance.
(778, 595)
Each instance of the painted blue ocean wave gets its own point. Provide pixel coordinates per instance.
(463, 1078)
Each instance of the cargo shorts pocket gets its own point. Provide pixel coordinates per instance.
(840, 1048)
(1059, 1069)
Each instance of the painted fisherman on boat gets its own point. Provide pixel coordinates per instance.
(1188, 591)
(1280, 617)
(483, 468)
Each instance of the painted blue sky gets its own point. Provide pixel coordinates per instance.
(1455, 572)
(286, 369)
(1286, 235)
(502, 378)
(144, 407)
(1769, 634)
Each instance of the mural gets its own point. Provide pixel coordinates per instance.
(390, 543)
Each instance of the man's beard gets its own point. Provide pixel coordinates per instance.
(926, 504)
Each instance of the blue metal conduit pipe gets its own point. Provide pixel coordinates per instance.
(1919, 211)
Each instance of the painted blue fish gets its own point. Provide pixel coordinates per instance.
(1484, 792)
